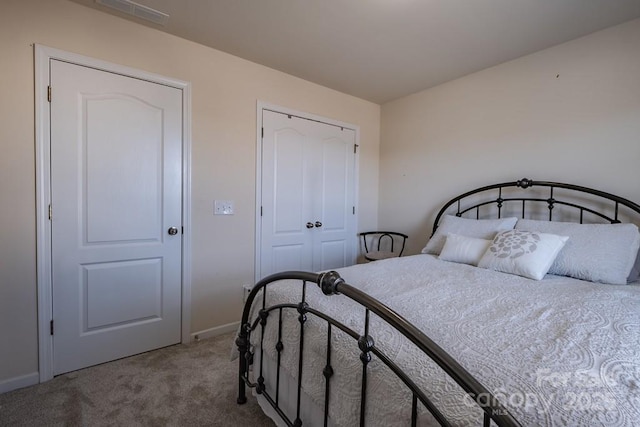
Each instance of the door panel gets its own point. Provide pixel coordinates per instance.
(121, 293)
(334, 175)
(335, 239)
(289, 257)
(108, 189)
(307, 178)
(286, 243)
(331, 254)
(116, 159)
(288, 170)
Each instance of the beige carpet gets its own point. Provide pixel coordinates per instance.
(181, 385)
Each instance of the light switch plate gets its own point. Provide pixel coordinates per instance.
(223, 207)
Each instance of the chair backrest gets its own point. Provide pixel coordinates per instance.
(383, 239)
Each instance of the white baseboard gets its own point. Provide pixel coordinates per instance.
(19, 382)
(214, 332)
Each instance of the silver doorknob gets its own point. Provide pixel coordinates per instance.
(318, 224)
(173, 231)
(309, 225)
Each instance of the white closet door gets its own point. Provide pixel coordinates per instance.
(334, 198)
(308, 191)
(116, 191)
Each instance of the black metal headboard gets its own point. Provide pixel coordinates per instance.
(602, 205)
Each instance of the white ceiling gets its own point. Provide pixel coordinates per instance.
(381, 50)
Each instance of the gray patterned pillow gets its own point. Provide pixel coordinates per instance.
(524, 253)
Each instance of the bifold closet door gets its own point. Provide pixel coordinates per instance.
(308, 193)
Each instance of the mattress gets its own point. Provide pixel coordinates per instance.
(555, 352)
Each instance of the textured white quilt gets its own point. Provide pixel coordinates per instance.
(556, 352)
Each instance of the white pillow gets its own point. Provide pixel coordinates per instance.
(635, 270)
(480, 228)
(602, 253)
(525, 253)
(463, 249)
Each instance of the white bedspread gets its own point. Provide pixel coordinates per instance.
(556, 352)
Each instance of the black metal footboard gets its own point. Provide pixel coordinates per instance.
(331, 284)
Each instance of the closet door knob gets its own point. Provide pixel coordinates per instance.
(309, 225)
(318, 224)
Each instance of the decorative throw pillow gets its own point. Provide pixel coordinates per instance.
(603, 253)
(479, 228)
(463, 249)
(524, 253)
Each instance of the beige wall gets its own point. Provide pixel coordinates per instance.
(225, 91)
(570, 113)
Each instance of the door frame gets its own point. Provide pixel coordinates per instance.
(43, 55)
(260, 107)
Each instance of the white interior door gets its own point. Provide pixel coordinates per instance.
(116, 182)
(308, 193)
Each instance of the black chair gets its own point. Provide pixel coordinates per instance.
(380, 244)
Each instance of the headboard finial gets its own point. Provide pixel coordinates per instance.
(524, 183)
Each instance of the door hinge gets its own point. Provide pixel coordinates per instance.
(51, 326)
(182, 229)
(354, 210)
(49, 93)
(262, 132)
(355, 148)
(260, 210)
(50, 212)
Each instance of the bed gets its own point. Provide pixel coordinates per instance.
(523, 309)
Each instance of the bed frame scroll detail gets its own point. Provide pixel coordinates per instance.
(526, 198)
(332, 284)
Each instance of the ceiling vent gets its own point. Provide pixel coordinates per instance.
(137, 10)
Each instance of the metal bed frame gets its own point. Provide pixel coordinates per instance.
(332, 284)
